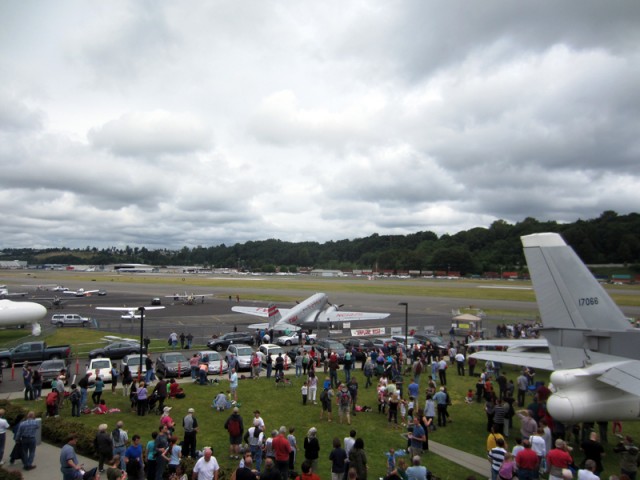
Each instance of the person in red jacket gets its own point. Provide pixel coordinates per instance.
(282, 449)
(307, 472)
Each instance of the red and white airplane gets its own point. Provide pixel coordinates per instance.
(314, 309)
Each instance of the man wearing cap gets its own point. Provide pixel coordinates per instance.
(282, 449)
(190, 425)
(206, 467)
(235, 426)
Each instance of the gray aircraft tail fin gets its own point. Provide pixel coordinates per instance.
(568, 294)
(580, 319)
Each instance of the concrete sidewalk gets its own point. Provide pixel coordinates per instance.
(47, 461)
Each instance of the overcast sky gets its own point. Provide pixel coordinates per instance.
(164, 124)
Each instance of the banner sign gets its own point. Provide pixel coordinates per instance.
(367, 332)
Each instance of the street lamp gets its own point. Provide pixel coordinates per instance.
(141, 310)
(406, 324)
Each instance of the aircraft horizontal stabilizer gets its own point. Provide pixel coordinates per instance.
(625, 376)
(541, 361)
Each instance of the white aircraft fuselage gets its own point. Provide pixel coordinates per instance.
(22, 313)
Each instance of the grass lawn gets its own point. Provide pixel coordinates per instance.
(283, 406)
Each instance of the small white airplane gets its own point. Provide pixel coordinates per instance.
(4, 292)
(314, 309)
(55, 301)
(133, 313)
(81, 292)
(22, 313)
(189, 298)
(593, 348)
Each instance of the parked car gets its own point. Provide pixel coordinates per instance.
(133, 362)
(293, 352)
(333, 345)
(242, 353)
(360, 346)
(69, 320)
(172, 364)
(34, 352)
(294, 339)
(99, 367)
(117, 350)
(222, 342)
(214, 360)
(434, 339)
(385, 343)
(50, 369)
(273, 351)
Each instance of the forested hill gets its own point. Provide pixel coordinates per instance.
(608, 239)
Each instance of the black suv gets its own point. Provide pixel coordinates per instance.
(333, 345)
(222, 342)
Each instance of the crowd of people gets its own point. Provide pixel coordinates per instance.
(542, 445)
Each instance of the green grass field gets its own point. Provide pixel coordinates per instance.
(283, 406)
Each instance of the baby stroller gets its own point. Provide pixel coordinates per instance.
(154, 404)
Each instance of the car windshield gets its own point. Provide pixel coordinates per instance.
(212, 356)
(52, 365)
(275, 350)
(175, 358)
(134, 360)
(244, 351)
(435, 339)
(101, 364)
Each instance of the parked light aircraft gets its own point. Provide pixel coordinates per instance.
(4, 292)
(314, 309)
(593, 348)
(55, 301)
(81, 292)
(133, 313)
(22, 313)
(189, 298)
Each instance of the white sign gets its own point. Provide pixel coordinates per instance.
(366, 332)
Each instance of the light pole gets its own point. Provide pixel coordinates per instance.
(141, 310)
(406, 325)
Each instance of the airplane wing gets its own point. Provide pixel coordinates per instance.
(541, 361)
(341, 316)
(624, 376)
(128, 309)
(257, 311)
(500, 342)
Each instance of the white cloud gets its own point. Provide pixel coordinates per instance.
(168, 125)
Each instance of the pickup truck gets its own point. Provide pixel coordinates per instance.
(33, 352)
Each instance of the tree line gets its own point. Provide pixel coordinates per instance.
(609, 239)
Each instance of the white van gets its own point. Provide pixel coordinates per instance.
(69, 319)
(100, 367)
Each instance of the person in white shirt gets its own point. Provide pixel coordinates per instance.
(587, 472)
(538, 444)
(4, 426)
(206, 467)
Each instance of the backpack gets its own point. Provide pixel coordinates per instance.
(233, 426)
(52, 399)
(344, 399)
(324, 396)
(75, 396)
(116, 435)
